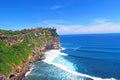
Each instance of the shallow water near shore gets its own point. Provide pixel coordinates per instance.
(44, 71)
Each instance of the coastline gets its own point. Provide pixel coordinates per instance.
(50, 57)
(25, 67)
(19, 72)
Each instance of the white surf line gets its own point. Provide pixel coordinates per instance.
(52, 54)
(76, 73)
(30, 70)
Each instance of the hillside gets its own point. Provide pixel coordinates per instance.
(20, 48)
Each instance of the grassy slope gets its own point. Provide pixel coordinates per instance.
(11, 55)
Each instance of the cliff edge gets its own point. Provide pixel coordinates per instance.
(18, 49)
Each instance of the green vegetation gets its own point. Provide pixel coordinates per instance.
(18, 45)
(11, 56)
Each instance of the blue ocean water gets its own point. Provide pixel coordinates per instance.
(95, 55)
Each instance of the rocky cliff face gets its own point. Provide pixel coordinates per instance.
(39, 41)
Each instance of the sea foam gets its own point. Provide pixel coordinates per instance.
(52, 54)
(31, 68)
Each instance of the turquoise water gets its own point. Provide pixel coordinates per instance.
(94, 55)
(44, 71)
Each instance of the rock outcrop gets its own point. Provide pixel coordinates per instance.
(18, 73)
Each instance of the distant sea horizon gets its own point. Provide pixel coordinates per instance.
(89, 34)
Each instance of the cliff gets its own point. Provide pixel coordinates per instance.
(18, 49)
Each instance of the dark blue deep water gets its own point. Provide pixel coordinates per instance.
(96, 55)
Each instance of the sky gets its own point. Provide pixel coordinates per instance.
(67, 16)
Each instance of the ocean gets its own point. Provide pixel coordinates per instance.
(82, 57)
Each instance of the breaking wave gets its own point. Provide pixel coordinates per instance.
(52, 54)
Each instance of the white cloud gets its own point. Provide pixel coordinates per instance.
(101, 27)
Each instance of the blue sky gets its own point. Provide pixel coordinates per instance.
(68, 16)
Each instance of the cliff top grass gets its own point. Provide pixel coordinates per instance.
(16, 46)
